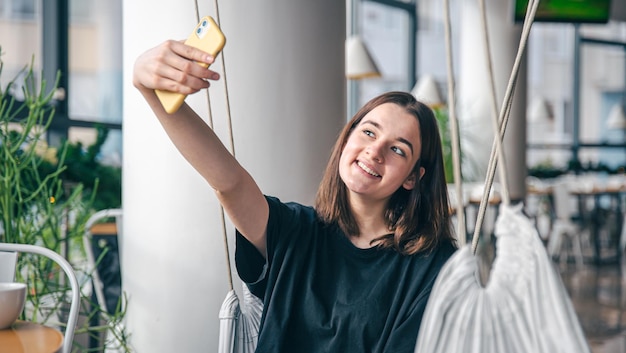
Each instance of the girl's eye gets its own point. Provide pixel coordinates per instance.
(368, 133)
(398, 151)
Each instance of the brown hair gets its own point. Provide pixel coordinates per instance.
(419, 218)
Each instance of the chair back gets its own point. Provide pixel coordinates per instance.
(564, 204)
(72, 318)
(98, 284)
(8, 260)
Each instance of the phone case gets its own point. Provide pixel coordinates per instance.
(206, 36)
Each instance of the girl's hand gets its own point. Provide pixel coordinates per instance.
(173, 66)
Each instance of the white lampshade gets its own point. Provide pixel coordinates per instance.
(359, 62)
(427, 91)
(617, 119)
(539, 112)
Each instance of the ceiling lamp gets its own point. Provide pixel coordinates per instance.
(539, 111)
(359, 62)
(427, 91)
(617, 119)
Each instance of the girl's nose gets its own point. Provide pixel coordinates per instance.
(376, 152)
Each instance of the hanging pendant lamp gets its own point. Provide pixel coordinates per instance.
(359, 61)
(538, 111)
(427, 91)
(617, 118)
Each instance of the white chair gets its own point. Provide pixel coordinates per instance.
(7, 266)
(538, 205)
(72, 318)
(98, 284)
(563, 227)
(455, 207)
(87, 242)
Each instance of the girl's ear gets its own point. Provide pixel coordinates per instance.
(409, 183)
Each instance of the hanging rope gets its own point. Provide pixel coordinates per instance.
(454, 131)
(499, 123)
(504, 192)
(504, 116)
(231, 140)
(524, 307)
(208, 99)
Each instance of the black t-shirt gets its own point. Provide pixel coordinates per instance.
(323, 294)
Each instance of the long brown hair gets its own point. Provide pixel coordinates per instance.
(418, 218)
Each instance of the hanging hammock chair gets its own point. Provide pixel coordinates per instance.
(523, 308)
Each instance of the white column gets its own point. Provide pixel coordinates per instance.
(284, 62)
(475, 94)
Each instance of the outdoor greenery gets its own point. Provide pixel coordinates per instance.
(441, 113)
(46, 197)
(83, 167)
(547, 170)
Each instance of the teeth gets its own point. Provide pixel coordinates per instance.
(368, 170)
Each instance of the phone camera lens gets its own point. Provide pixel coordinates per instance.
(199, 30)
(204, 23)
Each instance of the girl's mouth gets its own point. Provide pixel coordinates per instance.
(367, 169)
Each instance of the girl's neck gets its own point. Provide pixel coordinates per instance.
(370, 219)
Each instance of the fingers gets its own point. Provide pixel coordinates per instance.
(174, 66)
(189, 52)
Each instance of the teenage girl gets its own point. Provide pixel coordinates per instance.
(354, 272)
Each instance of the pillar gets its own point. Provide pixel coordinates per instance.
(475, 94)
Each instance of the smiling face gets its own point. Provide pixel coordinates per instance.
(381, 152)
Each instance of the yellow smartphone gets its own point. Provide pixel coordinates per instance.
(206, 36)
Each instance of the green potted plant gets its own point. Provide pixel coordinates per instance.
(38, 206)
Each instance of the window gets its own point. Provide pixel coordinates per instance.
(20, 38)
(82, 37)
(386, 30)
(18, 9)
(95, 65)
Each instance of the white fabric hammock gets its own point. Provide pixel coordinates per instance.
(239, 330)
(523, 308)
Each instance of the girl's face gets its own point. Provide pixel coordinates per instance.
(380, 153)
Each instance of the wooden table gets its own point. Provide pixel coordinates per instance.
(29, 337)
(104, 228)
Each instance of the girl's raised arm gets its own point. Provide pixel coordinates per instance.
(172, 66)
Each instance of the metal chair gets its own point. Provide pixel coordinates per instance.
(8, 260)
(91, 258)
(97, 277)
(69, 272)
(563, 224)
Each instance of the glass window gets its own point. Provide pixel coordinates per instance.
(385, 32)
(20, 40)
(614, 157)
(18, 9)
(94, 91)
(95, 77)
(24, 8)
(95, 61)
